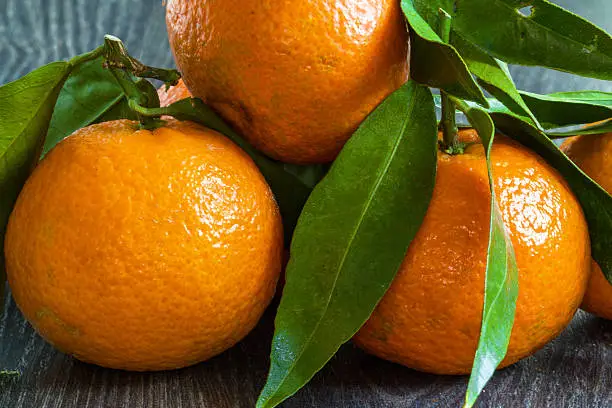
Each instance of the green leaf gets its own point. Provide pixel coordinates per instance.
(595, 201)
(493, 75)
(596, 97)
(352, 237)
(291, 187)
(559, 112)
(534, 32)
(435, 63)
(91, 95)
(495, 106)
(501, 280)
(564, 109)
(26, 106)
(591, 129)
(309, 175)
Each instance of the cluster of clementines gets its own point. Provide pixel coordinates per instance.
(150, 250)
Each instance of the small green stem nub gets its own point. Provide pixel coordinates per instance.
(450, 137)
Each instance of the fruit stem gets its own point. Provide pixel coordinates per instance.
(125, 69)
(450, 138)
(135, 97)
(116, 56)
(450, 135)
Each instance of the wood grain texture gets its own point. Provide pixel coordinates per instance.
(572, 371)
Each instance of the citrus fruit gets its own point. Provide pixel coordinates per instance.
(599, 292)
(144, 250)
(296, 78)
(173, 94)
(593, 154)
(431, 316)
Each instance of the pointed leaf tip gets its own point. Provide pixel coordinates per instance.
(352, 237)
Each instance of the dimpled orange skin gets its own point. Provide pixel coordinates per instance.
(593, 154)
(431, 316)
(143, 250)
(173, 94)
(296, 78)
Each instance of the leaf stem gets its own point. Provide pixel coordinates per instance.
(450, 138)
(88, 56)
(460, 104)
(149, 112)
(171, 110)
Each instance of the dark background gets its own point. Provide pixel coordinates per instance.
(573, 371)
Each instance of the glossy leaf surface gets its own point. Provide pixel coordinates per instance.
(436, 63)
(535, 32)
(352, 237)
(563, 109)
(501, 280)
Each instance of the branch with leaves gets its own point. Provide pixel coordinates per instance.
(388, 165)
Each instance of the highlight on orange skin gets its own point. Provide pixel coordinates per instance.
(144, 250)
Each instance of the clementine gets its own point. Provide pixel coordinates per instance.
(173, 94)
(430, 318)
(144, 250)
(296, 78)
(593, 154)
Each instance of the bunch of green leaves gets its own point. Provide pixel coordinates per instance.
(347, 246)
(350, 224)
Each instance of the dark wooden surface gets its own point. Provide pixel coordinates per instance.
(575, 370)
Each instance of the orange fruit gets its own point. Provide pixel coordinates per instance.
(173, 94)
(598, 294)
(431, 316)
(593, 154)
(144, 250)
(296, 78)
